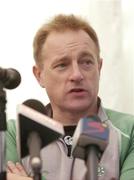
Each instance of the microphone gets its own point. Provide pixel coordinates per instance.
(35, 130)
(34, 137)
(90, 138)
(31, 118)
(9, 78)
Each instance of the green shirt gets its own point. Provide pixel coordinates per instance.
(121, 122)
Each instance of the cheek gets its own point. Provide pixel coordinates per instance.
(53, 83)
(96, 84)
(55, 78)
(55, 90)
(93, 82)
(96, 81)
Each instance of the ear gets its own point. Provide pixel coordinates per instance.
(37, 73)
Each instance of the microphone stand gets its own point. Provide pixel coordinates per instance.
(3, 128)
(34, 146)
(91, 162)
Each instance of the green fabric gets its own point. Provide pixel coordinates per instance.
(124, 123)
(11, 150)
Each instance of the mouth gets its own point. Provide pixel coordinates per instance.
(78, 92)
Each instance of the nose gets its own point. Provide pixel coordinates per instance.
(76, 74)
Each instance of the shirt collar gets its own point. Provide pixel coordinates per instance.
(101, 112)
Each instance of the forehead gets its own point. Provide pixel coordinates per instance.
(69, 40)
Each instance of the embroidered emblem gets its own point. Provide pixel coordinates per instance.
(68, 140)
(101, 170)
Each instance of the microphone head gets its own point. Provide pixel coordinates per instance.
(90, 131)
(36, 105)
(11, 78)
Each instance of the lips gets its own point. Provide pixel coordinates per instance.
(77, 90)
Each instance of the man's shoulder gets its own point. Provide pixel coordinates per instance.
(120, 115)
(11, 126)
(123, 121)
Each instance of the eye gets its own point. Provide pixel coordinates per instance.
(86, 62)
(61, 66)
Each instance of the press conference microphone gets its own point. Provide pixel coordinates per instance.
(33, 119)
(9, 78)
(34, 139)
(90, 138)
(35, 130)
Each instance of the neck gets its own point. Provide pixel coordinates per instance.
(72, 118)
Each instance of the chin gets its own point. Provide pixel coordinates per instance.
(79, 107)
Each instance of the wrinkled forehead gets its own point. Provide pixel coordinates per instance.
(61, 41)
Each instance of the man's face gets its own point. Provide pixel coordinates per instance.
(70, 71)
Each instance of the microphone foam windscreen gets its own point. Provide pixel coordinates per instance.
(36, 105)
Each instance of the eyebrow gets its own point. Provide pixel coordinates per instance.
(86, 54)
(63, 58)
(60, 60)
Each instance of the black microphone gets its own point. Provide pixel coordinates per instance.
(35, 130)
(9, 78)
(90, 138)
(34, 137)
(32, 118)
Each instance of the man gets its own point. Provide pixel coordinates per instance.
(68, 66)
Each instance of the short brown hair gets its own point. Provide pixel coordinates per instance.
(61, 23)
